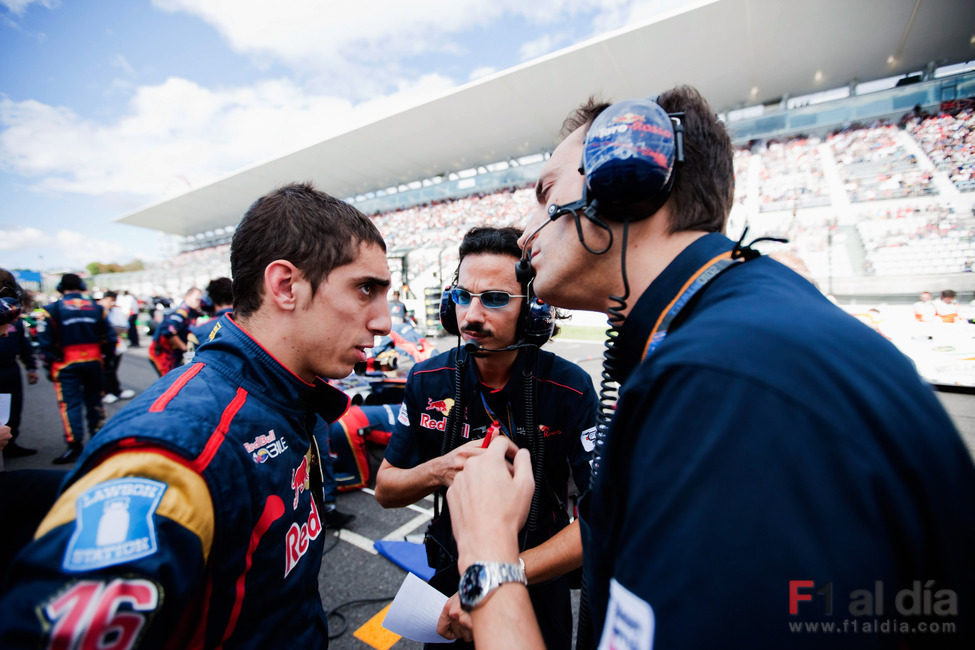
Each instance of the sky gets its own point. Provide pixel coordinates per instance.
(110, 106)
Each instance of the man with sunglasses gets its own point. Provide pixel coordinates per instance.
(504, 385)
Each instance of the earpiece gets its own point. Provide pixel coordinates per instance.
(630, 158)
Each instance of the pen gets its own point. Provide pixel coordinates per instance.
(490, 434)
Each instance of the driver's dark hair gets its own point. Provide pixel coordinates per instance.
(312, 230)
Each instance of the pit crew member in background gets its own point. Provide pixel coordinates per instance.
(74, 343)
(516, 386)
(119, 321)
(220, 298)
(14, 344)
(172, 532)
(169, 341)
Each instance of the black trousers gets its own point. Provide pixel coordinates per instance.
(134, 330)
(11, 382)
(110, 375)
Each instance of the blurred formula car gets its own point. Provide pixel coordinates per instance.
(376, 388)
(382, 377)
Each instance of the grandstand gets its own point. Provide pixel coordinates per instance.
(872, 182)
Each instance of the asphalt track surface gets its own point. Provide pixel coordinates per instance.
(351, 569)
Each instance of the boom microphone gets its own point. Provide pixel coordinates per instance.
(523, 269)
(470, 347)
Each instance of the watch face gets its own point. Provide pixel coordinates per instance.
(471, 586)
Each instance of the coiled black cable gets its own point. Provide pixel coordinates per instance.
(608, 395)
(536, 441)
(608, 387)
(454, 417)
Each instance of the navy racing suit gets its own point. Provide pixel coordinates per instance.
(191, 520)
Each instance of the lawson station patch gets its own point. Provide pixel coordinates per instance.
(113, 524)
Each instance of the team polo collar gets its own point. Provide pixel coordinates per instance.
(631, 345)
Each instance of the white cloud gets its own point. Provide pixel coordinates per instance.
(12, 239)
(178, 134)
(69, 248)
(19, 6)
(342, 39)
(542, 45)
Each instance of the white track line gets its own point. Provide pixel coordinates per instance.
(366, 544)
(357, 540)
(410, 526)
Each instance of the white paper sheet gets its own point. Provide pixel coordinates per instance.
(4, 408)
(415, 611)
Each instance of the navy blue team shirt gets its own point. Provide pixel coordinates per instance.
(774, 462)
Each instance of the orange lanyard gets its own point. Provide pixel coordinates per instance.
(695, 283)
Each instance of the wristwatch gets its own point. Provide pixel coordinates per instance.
(481, 578)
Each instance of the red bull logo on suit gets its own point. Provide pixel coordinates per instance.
(299, 480)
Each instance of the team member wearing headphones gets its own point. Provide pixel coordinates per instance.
(771, 462)
(74, 343)
(537, 399)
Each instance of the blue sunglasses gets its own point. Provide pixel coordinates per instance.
(490, 299)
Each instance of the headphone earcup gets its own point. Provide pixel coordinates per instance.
(536, 323)
(629, 158)
(448, 313)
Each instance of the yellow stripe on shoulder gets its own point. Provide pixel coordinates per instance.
(186, 501)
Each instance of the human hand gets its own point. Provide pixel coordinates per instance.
(489, 502)
(454, 622)
(454, 462)
(5, 435)
(31, 377)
